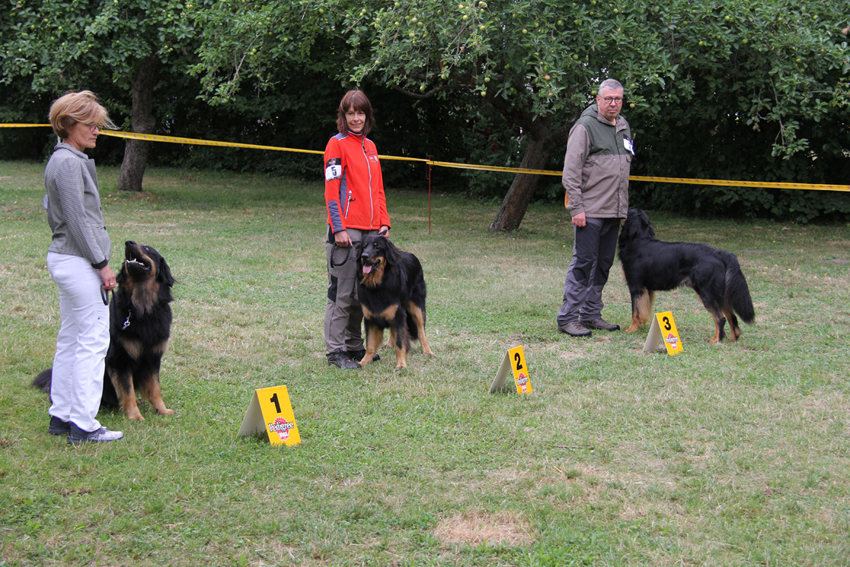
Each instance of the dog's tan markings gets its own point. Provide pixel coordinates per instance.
(734, 329)
(419, 319)
(389, 313)
(126, 397)
(376, 276)
(133, 347)
(160, 348)
(641, 310)
(374, 338)
(154, 396)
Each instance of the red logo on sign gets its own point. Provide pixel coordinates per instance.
(281, 427)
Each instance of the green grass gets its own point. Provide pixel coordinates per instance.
(730, 454)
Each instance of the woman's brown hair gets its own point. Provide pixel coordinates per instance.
(74, 107)
(357, 100)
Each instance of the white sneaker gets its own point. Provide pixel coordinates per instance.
(102, 435)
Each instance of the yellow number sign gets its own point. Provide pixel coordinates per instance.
(515, 359)
(271, 411)
(663, 332)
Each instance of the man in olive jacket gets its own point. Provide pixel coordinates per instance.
(596, 177)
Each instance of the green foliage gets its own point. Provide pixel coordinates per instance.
(61, 45)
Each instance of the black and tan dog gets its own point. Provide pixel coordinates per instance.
(391, 288)
(139, 328)
(651, 265)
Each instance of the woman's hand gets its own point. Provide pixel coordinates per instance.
(342, 239)
(107, 276)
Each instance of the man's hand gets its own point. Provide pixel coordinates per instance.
(580, 219)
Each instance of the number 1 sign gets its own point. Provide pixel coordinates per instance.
(515, 360)
(271, 411)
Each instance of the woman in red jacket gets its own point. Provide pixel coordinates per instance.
(357, 206)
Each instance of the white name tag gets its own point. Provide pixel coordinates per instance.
(629, 146)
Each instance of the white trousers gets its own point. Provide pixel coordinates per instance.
(77, 383)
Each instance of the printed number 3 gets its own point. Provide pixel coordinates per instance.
(667, 326)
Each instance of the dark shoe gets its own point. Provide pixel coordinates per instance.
(102, 435)
(574, 329)
(357, 355)
(342, 360)
(58, 427)
(600, 324)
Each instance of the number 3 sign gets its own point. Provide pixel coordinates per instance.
(271, 411)
(515, 360)
(663, 331)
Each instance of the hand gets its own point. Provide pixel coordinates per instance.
(107, 276)
(385, 230)
(342, 239)
(580, 219)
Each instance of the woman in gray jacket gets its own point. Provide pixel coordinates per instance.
(78, 260)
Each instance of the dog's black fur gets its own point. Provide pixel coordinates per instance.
(391, 288)
(651, 265)
(139, 328)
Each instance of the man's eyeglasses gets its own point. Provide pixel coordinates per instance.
(615, 99)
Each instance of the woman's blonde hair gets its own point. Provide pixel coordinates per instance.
(74, 107)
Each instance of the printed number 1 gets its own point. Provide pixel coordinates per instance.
(518, 359)
(667, 326)
(275, 402)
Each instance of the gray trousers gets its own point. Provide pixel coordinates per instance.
(343, 314)
(593, 255)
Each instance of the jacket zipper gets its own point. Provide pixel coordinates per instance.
(369, 169)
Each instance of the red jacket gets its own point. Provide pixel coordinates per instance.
(354, 186)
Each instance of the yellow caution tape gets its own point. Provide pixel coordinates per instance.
(684, 181)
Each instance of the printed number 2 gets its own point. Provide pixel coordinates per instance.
(518, 359)
(276, 403)
(667, 326)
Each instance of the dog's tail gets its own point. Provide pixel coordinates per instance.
(43, 380)
(737, 290)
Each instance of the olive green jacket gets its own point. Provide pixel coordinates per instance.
(596, 166)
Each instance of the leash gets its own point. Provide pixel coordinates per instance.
(335, 246)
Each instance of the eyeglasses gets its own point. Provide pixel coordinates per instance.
(614, 99)
(92, 127)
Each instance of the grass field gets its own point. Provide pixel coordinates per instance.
(729, 454)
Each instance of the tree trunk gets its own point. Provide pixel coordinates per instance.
(522, 189)
(142, 122)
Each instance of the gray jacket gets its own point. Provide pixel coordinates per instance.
(73, 206)
(596, 166)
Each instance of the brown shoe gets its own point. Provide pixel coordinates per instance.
(600, 324)
(574, 329)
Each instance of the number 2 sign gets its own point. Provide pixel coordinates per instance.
(515, 360)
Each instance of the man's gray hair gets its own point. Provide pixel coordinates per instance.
(611, 85)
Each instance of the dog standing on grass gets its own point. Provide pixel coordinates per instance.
(391, 288)
(651, 265)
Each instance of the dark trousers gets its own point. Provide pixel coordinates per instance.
(593, 255)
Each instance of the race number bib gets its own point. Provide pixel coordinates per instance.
(333, 169)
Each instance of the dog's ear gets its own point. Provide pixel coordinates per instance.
(393, 254)
(163, 272)
(646, 224)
